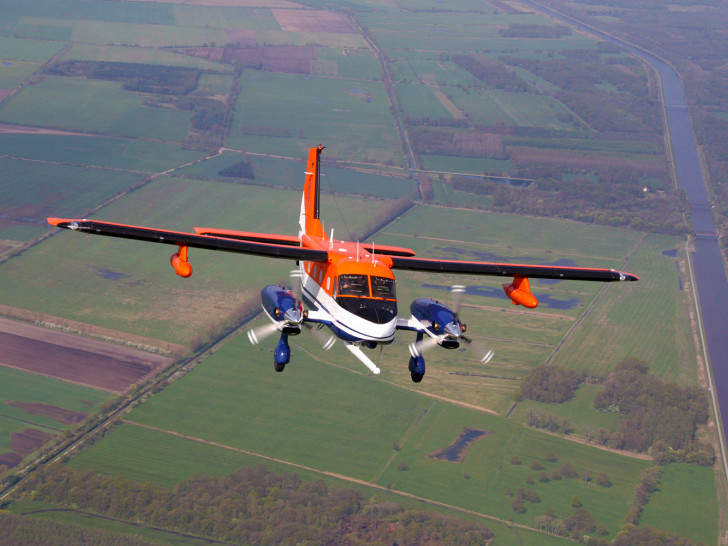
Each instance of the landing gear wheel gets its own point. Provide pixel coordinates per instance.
(279, 367)
(417, 377)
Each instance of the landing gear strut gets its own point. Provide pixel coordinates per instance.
(417, 364)
(282, 354)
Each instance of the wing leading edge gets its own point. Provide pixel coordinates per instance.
(138, 233)
(511, 270)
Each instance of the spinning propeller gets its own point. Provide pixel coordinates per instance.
(287, 316)
(450, 334)
(288, 321)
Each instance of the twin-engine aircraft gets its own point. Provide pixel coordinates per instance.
(347, 286)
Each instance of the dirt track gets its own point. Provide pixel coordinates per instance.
(72, 358)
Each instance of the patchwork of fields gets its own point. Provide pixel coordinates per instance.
(273, 79)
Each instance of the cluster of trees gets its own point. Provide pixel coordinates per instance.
(631, 535)
(549, 421)
(632, 111)
(658, 416)
(253, 506)
(458, 143)
(657, 413)
(210, 122)
(242, 169)
(491, 73)
(619, 204)
(522, 496)
(520, 30)
(550, 384)
(145, 78)
(575, 526)
(582, 70)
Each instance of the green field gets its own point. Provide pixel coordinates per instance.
(490, 107)
(420, 103)
(325, 417)
(34, 190)
(257, 410)
(650, 320)
(27, 50)
(13, 73)
(353, 63)
(92, 106)
(112, 153)
(274, 172)
(19, 386)
(350, 117)
(694, 516)
(466, 165)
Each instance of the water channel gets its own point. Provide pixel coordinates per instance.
(707, 263)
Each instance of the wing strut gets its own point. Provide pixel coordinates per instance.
(357, 352)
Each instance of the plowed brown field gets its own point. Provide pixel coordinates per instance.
(73, 358)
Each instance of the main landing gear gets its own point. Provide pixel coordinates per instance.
(282, 354)
(417, 363)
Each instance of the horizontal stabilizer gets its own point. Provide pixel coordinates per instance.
(268, 238)
(387, 250)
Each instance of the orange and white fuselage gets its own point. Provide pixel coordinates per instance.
(353, 292)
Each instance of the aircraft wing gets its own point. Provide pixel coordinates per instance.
(511, 270)
(282, 250)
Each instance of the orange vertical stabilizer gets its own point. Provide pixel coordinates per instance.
(309, 222)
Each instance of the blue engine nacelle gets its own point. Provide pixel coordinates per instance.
(281, 305)
(436, 317)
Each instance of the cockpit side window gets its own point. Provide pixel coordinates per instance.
(353, 285)
(382, 287)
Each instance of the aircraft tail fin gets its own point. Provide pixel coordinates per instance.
(309, 221)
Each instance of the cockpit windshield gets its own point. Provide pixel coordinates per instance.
(358, 285)
(377, 305)
(353, 285)
(382, 287)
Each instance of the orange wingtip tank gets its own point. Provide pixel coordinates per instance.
(179, 262)
(520, 292)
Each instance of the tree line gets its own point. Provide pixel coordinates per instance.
(657, 416)
(491, 73)
(145, 78)
(622, 203)
(253, 506)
